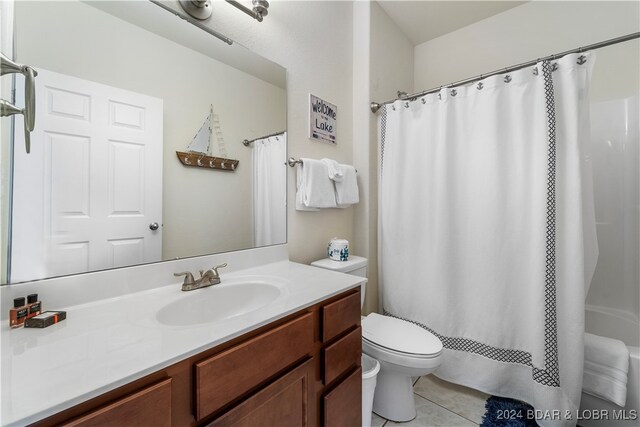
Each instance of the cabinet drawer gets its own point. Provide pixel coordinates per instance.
(148, 407)
(342, 355)
(226, 376)
(340, 315)
(282, 403)
(343, 404)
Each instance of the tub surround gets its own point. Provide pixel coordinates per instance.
(112, 340)
(622, 326)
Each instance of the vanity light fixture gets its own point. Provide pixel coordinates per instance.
(192, 21)
(199, 9)
(259, 11)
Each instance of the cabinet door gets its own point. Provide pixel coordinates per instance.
(148, 407)
(340, 315)
(283, 403)
(342, 355)
(343, 404)
(226, 376)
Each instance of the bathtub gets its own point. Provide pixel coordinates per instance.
(624, 327)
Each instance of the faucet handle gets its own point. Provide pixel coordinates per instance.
(188, 279)
(215, 269)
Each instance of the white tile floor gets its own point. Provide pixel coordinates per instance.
(440, 403)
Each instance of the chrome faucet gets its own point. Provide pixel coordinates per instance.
(207, 278)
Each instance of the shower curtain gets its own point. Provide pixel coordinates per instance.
(487, 231)
(270, 190)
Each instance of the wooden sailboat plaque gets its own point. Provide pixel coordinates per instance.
(198, 152)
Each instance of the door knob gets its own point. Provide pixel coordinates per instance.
(154, 226)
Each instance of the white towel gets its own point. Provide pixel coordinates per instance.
(315, 189)
(335, 172)
(347, 188)
(299, 204)
(606, 365)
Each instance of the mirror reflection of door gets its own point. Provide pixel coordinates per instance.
(91, 190)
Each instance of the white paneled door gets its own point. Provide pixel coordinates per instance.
(90, 193)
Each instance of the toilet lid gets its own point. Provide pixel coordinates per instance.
(399, 335)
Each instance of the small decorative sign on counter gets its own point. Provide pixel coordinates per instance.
(323, 118)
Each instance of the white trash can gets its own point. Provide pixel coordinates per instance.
(370, 369)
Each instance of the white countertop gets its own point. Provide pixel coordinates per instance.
(105, 344)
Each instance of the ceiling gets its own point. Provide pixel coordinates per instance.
(426, 20)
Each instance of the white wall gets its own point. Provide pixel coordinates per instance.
(313, 40)
(541, 28)
(534, 30)
(204, 211)
(388, 66)
(364, 237)
(392, 57)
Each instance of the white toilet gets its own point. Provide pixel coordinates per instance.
(403, 349)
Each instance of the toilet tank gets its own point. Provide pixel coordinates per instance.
(355, 265)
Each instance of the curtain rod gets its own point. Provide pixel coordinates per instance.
(375, 106)
(248, 142)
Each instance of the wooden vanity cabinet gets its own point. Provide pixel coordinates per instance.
(284, 402)
(302, 370)
(340, 315)
(150, 406)
(342, 355)
(223, 378)
(342, 404)
(340, 398)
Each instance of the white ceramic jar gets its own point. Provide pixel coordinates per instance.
(338, 249)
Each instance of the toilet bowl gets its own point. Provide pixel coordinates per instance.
(403, 349)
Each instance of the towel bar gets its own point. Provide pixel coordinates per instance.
(293, 162)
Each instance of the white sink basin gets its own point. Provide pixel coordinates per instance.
(231, 298)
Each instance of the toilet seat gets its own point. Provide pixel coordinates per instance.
(400, 353)
(400, 337)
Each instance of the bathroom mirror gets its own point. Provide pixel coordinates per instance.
(121, 87)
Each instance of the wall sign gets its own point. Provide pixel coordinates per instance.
(323, 118)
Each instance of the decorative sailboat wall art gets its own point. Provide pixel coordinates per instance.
(198, 152)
